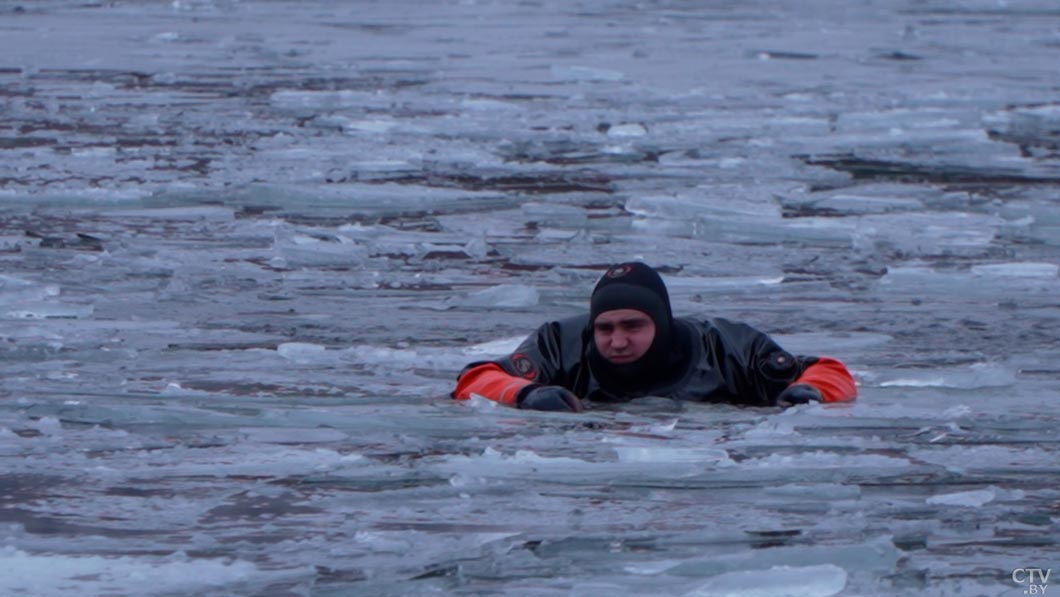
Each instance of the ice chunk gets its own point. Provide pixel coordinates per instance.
(720, 218)
(49, 426)
(651, 568)
(555, 214)
(830, 343)
(46, 311)
(779, 581)
(165, 36)
(858, 204)
(666, 454)
(585, 73)
(816, 491)
(956, 412)
(314, 101)
(505, 296)
(1026, 122)
(979, 375)
(529, 464)
(533, 458)
(876, 554)
(961, 457)
(705, 204)
(488, 105)
(663, 428)
(771, 429)
(265, 458)
(494, 347)
(927, 233)
(971, 499)
(302, 352)
(627, 130)
(477, 248)
(377, 126)
(16, 243)
(1018, 270)
(403, 358)
(482, 403)
(293, 435)
(23, 573)
(1012, 278)
(16, 290)
(304, 249)
(722, 283)
(827, 460)
(202, 212)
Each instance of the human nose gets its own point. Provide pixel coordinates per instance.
(619, 340)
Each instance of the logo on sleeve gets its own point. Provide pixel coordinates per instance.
(780, 365)
(524, 367)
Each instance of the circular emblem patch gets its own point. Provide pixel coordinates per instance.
(780, 365)
(523, 366)
(619, 270)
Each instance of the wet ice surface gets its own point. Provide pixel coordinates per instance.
(247, 246)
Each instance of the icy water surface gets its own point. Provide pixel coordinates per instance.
(245, 248)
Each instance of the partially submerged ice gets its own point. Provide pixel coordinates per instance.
(245, 249)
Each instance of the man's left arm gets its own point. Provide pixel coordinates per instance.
(781, 378)
(825, 380)
(529, 378)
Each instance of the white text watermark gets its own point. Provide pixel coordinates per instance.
(1034, 581)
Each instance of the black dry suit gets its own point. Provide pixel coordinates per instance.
(709, 361)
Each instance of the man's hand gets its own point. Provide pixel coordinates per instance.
(550, 398)
(799, 393)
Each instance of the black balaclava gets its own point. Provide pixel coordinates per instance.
(635, 286)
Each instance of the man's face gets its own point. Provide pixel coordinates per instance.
(623, 335)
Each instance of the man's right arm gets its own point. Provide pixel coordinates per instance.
(490, 381)
(531, 377)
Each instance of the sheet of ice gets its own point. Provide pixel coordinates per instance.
(810, 581)
(24, 573)
(632, 463)
(504, 296)
(245, 248)
(877, 553)
(971, 499)
(1017, 270)
(303, 352)
(977, 375)
(495, 348)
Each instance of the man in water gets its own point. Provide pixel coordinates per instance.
(630, 345)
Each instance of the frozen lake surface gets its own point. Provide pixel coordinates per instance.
(245, 248)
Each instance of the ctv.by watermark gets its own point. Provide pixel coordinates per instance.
(1033, 580)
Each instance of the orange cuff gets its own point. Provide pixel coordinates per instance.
(490, 381)
(831, 378)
